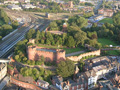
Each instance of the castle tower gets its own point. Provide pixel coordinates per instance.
(60, 55)
(64, 27)
(71, 4)
(31, 52)
(32, 41)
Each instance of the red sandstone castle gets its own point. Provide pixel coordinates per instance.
(34, 53)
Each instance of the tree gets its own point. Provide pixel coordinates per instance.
(65, 68)
(80, 37)
(70, 42)
(80, 21)
(81, 64)
(37, 37)
(53, 26)
(16, 57)
(15, 24)
(30, 34)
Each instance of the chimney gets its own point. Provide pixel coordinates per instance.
(82, 80)
(68, 83)
(77, 80)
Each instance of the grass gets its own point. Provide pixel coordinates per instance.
(71, 50)
(113, 52)
(105, 41)
(106, 20)
(68, 50)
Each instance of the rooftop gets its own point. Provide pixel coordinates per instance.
(107, 85)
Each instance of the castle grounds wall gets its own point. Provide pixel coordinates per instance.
(23, 84)
(34, 54)
(77, 58)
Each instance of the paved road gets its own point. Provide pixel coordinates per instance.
(75, 53)
(98, 6)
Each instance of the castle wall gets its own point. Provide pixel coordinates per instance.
(49, 56)
(31, 52)
(23, 84)
(60, 56)
(77, 58)
(34, 54)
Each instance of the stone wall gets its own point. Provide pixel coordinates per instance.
(77, 58)
(23, 84)
(34, 54)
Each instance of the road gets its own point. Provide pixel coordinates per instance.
(98, 6)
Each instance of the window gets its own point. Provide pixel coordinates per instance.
(77, 86)
(72, 88)
(81, 85)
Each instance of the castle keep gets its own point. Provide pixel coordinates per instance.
(34, 53)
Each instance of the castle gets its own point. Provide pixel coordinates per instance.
(35, 52)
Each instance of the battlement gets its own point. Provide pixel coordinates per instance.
(77, 58)
(34, 52)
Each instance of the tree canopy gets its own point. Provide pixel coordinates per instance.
(65, 68)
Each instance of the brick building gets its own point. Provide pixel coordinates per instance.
(35, 52)
(106, 12)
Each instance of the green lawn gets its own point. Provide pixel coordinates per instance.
(113, 52)
(68, 50)
(105, 41)
(106, 20)
(71, 50)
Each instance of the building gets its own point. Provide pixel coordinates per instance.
(47, 15)
(11, 1)
(106, 12)
(27, 1)
(95, 69)
(42, 84)
(34, 53)
(14, 7)
(107, 85)
(67, 5)
(27, 6)
(3, 70)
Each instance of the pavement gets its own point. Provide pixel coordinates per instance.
(74, 53)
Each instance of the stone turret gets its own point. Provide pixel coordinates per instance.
(31, 50)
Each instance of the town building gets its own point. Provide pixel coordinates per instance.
(34, 53)
(107, 85)
(67, 5)
(95, 69)
(3, 70)
(11, 1)
(14, 7)
(42, 84)
(3, 78)
(106, 12)
(27, 6)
